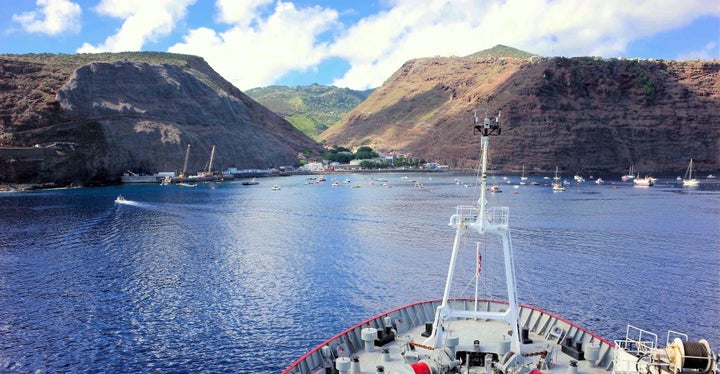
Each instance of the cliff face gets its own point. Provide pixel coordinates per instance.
(96, 120)
(582, 114)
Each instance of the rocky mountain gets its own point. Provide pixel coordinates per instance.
(584, 114)
(88, 118)
(311, 109)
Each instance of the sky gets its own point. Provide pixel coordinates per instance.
(358, 43)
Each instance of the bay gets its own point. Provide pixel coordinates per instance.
(233, 278)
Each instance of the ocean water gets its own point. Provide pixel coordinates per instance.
(233, 278)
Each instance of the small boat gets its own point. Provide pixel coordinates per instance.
(251, 182)
(599, 181)
(189, 185)
(479, 335)
(495, 188)
(644, 181)
(275, 187)
(629, 176)
(557, 186)
(578, 178)
(688, 180)
(710, 176)
(120, 199)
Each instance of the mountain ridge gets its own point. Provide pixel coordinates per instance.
(85, 119)
(583, 113)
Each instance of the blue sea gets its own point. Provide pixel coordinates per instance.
(232, 278)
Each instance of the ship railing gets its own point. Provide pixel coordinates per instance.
(494, 217)
(671, 335)
(637, 343)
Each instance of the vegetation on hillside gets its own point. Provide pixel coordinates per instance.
(370, 158)
(311, 109)
(79, 59)
(502, 51)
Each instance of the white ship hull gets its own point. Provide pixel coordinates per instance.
(546, 333)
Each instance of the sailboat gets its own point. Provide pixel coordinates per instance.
(557, 186)
(629, 176)
(688, 179)
(523, 178)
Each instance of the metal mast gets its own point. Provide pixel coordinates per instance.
(484, 220)
(187, 154)
(212, 155)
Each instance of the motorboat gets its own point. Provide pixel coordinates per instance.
(644, 181)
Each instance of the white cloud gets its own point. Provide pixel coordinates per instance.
(378, 45)
(706, 53)
(52, 17)
(143, 21)
(259, 54)
(257, 42)
(240, 13)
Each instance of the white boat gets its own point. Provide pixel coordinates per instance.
(629, 176)
(599, 181)
(480, 336)
(189, 185)
(120, 199)
(557, 186)
(688, 179)
(644, 181)
(132, 177)
(275, 187)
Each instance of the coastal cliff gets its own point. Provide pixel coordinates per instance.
(582, 114)
(85, 119)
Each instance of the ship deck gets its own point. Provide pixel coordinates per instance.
(550, 344)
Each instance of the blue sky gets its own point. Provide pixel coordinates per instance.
(358, 44)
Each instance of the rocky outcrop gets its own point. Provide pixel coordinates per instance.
(102, 118)
(582, 114)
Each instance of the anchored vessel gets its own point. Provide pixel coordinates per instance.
(473, 335)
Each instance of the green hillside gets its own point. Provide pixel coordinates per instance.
(501, 51)
(311, 109)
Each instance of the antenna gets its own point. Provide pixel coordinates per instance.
(486, 128)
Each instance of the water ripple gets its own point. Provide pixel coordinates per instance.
(193, 279)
